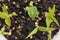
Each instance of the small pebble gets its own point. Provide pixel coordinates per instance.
(57, 36)
(2, 37)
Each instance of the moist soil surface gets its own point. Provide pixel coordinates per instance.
(22, 24)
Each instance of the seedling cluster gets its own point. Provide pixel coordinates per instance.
(33, 13)
(49, 19)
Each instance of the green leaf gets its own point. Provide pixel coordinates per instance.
(42, 28)
(54, 19)
(48, 21)
(8, 21)
(45, 29)
(32, 33)
(51, 11)
(4, 7)
(32, 12)
(50, 29)
(13, 14)
(3, 15)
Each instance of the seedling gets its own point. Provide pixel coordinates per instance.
(6, 16)
(49, 19)
(50, 16)
(32, 11)
(40, 28)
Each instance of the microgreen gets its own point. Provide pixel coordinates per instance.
(4, 15)
(32, 11)
(50, 16)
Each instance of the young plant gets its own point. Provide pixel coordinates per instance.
(40, 28)
(6, 16)
(49, 19)
(32, 11)
(50, 16)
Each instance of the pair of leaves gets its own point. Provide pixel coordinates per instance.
(50, 16)
(51, 10)
(40, 28)
(6, 16)
(32, 11)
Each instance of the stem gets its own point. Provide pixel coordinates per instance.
(36, 23)
(49, 35)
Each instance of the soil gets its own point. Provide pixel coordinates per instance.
(22, 24)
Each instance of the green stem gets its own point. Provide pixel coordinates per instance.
(36, 23)
(49, 35)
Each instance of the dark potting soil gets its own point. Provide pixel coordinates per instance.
(22, 24)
